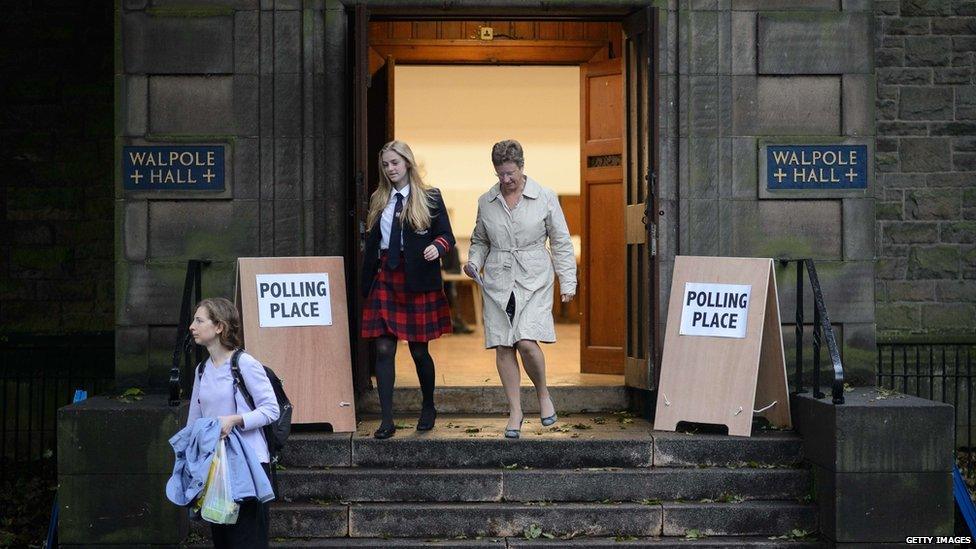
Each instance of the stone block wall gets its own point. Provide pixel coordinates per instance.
(240, 74)
(56, 168)
(926, 167)
(756, 73)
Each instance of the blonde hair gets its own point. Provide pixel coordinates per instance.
(416, 211)
(223, 313)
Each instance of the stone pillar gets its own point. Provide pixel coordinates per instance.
(757, 73)
(245, 75)
(882, 465)
(114, 459)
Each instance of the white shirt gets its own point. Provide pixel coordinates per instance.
(386, 220)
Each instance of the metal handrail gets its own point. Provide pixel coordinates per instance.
(821, 325)
(192, 286)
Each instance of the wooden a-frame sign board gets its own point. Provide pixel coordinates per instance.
(722, 380)
(313, 362)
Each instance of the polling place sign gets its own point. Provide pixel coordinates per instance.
(295, 317)
(294, 300)
(723, 361)
(718, 310)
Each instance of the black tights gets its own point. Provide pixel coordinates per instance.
(386, 347)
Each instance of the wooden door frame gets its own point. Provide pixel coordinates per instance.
(571, 54)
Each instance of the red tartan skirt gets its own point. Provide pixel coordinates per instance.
(391, 309)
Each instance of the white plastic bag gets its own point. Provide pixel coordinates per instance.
(219, 506)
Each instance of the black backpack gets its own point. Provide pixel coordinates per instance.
(275, 433)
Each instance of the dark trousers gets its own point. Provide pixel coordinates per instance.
(251, 530)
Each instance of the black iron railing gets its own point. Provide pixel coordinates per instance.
(39, 375)
(822, 333)
(937, 371)
(182, 350)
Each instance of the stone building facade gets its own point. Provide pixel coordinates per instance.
(258, 75)
(926, 163)
(269, 82)
(56, 155)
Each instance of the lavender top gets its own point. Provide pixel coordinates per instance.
(214, 396)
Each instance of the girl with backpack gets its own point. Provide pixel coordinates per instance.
(216, 325)
(409, 231)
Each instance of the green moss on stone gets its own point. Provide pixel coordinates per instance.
(44, 200)
(959, 231)
(888, 211)
(191, 138)
(41, 259)
(890, 317)
(131, 369)
(818, 18)
(805, 139)
(117, 46)
(904, 337)
(28, 317)
(190, 10)
(119, 212)
(969, 198)
(122, 269)
(933, 262)
(206, 245)
(784, 247)
(955, 318)
(859, 365)
(117, 167)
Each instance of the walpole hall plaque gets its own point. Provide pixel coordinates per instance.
(820, 167)
(173, 168)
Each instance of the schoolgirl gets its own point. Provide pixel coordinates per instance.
(216, 325)
(409, 231)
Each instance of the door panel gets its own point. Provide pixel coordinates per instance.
(360, 85)
(642, 350)
(380, 107)
(372, 127)
(602, 276)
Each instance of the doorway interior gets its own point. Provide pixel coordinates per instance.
(451, 115)
(557, 86)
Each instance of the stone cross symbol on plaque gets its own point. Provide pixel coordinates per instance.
(779, 175)
(137, 177)
(209, 175)
(851, 174)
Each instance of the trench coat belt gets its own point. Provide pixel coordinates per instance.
(515, 252)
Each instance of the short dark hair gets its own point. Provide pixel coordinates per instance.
(224, 313)
(508, 150)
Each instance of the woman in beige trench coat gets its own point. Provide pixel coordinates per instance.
(515, 217)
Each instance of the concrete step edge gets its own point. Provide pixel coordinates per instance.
(512, 542)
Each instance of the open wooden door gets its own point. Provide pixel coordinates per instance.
(360, 152)
(602, 269)
(372, 127)
(642, 349)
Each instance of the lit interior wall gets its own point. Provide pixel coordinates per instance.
(451, 115)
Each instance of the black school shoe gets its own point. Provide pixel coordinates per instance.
(427, 418)
(384, 432)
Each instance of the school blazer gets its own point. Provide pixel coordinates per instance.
(421, 275)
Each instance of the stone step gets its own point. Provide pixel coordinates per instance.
(450, 520)
(634, 542)
(491, 400)
(579, 440)
(525, 485)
